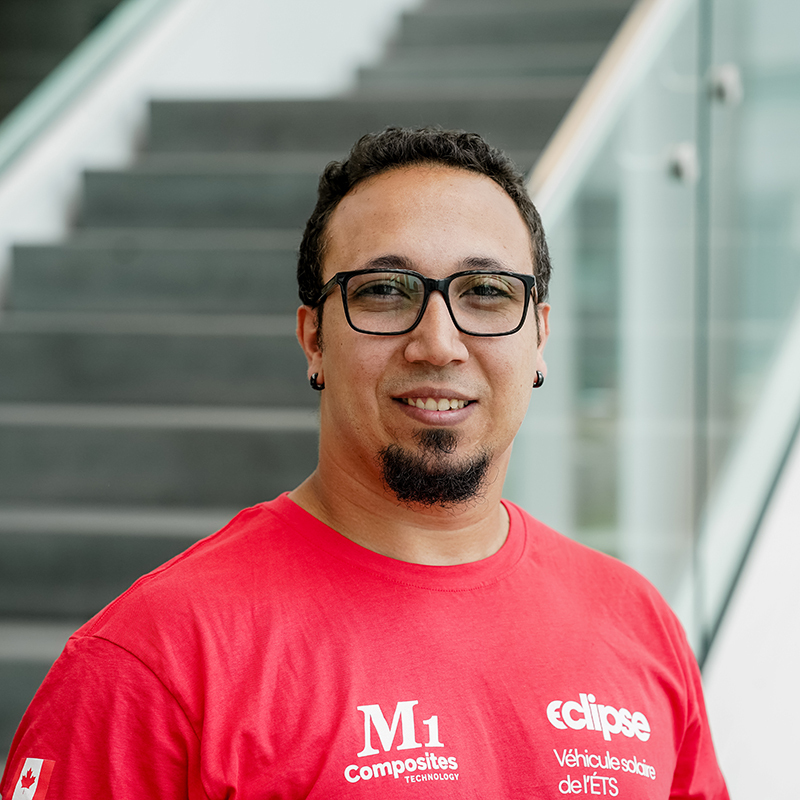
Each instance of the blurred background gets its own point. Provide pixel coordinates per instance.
(158, 159)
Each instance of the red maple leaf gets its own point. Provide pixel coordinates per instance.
(28, 779)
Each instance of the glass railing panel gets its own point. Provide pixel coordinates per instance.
(754, 274)
(623, 250)
(676, 295)
(755, 202)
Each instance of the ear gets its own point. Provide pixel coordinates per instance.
(543, 332)
(308, 336)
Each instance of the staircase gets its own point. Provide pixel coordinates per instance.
(151, 385)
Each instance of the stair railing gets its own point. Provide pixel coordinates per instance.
(678, 399)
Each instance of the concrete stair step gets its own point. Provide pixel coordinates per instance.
(507, 88)
(221, 272)
(240, 162)
(62, 23)
(152, 358)
(88, 11)
(23, 63)
(13, 91)
(480, 64)
(478, 6)
(159, 456)
(67, 562)
(517, 119)
(34, 25)
(194, 197)
(439, 24)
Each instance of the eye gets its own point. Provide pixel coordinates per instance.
(487, 286)
(487, 290)
(380, 288)
(384, 290)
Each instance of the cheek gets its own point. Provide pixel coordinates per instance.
(355, 365)
(515, 376)
(517, 367)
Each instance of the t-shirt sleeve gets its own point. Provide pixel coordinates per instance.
(697, 774)
(103, 725)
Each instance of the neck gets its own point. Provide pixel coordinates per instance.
(371, 516)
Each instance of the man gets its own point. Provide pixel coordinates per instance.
(390, 628)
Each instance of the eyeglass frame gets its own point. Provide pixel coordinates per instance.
(430, 285)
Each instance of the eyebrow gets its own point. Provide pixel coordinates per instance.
(484, 263)
(389, 262)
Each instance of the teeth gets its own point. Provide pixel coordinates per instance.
(431, 404)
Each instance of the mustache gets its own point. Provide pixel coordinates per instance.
(437, 441)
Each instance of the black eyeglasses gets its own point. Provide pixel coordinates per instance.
(388, 302)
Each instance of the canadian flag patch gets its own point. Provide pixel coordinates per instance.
(32, 779)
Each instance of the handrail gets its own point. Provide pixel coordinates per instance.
(579, 135)
(23, 125)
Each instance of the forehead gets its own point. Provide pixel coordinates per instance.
(433, 217)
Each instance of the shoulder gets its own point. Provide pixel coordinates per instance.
(108, 727)
(594, 583)
(552, 547)
(208, 585)
(190, 621)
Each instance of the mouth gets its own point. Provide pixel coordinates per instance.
(435, 404)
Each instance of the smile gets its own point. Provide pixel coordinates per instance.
(432, 404)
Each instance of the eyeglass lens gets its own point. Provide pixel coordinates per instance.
(390, 302)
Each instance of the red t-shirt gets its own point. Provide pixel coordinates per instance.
(278, 659)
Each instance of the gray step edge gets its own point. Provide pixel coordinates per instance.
(176, 239)
(21, 640)
(156, 324)
(69, 520)
(157, 417)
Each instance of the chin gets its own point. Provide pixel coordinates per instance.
(431, 475)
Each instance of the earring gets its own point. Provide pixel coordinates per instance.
(539, 380)
(313, 381)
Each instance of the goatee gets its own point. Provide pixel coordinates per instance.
(427, 477)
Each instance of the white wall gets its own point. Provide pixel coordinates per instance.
(264, 48)
(752, 670)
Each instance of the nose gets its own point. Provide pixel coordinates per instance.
(436, 338)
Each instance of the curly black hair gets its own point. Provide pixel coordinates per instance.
(393, 148)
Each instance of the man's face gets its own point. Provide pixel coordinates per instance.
(435, 220)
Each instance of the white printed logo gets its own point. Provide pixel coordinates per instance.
(592, 716)
(404, 712)
(428, 766)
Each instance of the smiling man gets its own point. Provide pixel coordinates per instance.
(425, 384)
(391, 628)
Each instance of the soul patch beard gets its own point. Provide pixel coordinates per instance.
(426, 477)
